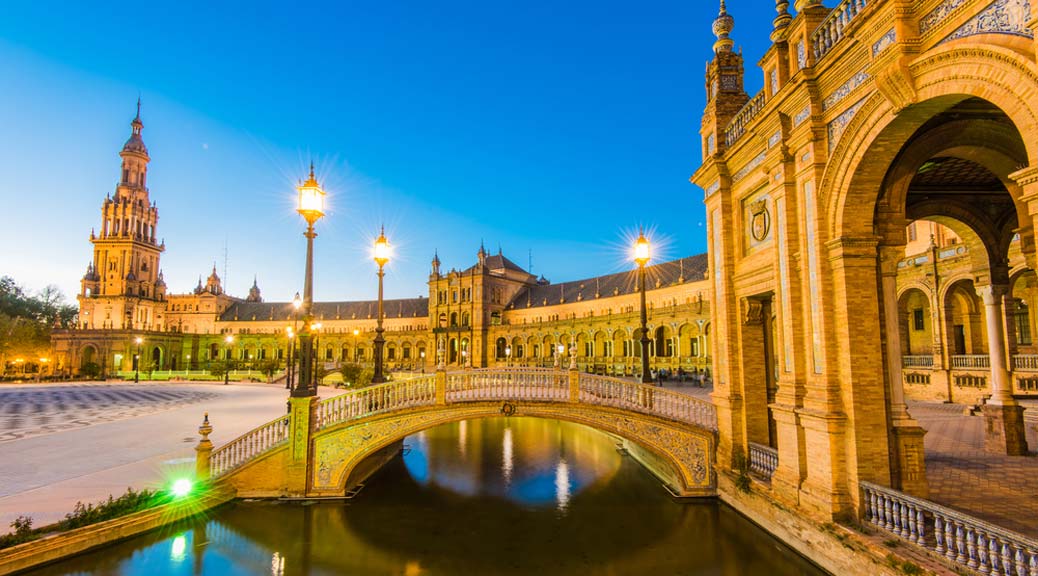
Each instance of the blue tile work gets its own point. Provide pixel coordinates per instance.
(842, 92)
(839, 124)
(885, 41)
(1000, 17)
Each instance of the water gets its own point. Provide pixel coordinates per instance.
(498, 496)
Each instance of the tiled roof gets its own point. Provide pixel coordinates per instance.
(498, 262)
(660, 275)
(402, 308)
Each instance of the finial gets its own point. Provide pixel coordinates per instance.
(781, 21)
(311, 169)
(138, 107)
(723, 26)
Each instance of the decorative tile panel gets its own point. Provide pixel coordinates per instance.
(843, 91)
(938, 14)
(886, 41)
(775, 139)
(802, 115)
(839, 124)
(748, 167)
(711, 189)
(1000, 17)
(801, 55)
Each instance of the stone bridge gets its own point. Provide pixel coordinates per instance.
(324, 447)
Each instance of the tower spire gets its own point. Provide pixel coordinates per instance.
(723, 26)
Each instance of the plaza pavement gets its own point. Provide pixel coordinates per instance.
(67, 443)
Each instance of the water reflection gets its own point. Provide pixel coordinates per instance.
(499, 496)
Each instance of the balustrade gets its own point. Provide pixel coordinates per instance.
(831, 30)
(971, 361)
(737, 127)
(537, 384)
(617, 393)
(379, 399)
(962, 539)
(763, 460)
(1025, 362)
(248, 446)
(917, 361)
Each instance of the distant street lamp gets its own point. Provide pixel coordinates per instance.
(382, 253)
(317, 353)
(642, 255)
(290, 341)
(227, 356)
(137, 361)
(422, 356)
(508, 355)
(311, 208)
(43, 365)
(559, 351)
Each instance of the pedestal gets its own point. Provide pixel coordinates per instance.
(301, 417)
(1004, 431)
(910, 471)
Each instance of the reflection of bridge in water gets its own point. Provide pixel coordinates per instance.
(322, 447)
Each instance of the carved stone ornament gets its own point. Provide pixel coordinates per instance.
(753, 311)
(760, 220)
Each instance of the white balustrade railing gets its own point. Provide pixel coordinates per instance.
(737, 126)
(247, 446)
(378, 399)
(617, 393)
(971, 543)
(917, 361)
(1026, 362)
(536, 384)
(830, 31)
(763, 460)
(971, 361)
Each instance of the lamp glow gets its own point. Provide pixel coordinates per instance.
(297, 302)
(382, 249)
(181, 487)
(642, 252)
(311, 199)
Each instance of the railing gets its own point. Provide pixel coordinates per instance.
(537, 384)
(763, 460)
(971, 361)
(617, 393)
(377, 400)
(248, 446)
(969, 542)
(1026, 362)
(737, 127)
(830, 31)
(917, 361)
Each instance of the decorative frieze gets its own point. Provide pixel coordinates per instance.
(801, 55)
(748, 167)
(938, 14)
(1000, 17)
(775, 139)
(885, 41)
(839, 124)
(802, 115)
(844, 90)
(711, 189)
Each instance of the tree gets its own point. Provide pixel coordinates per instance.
(26, 320)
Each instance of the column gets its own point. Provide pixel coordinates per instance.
(908, 463)
(1003, 418)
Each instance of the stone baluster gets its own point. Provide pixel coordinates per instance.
(938, 533)
(971, 548)
(1034, 563)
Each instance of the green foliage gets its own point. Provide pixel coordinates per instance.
(27, 319)
(23, 532)
(906, 567)
(356, 375)
(741, 466)
(90, 370)
(218, 368)
(268, 367)
(132, 501)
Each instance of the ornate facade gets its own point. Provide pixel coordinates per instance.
(874, 114)
(492, 313)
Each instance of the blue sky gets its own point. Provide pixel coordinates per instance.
(540, 127)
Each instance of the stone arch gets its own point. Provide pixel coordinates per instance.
(683, 456)
(915, 321)
(943, 77)
(88, 354)
(964, 316)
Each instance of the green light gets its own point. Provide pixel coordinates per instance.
(181, 487)
(179, 547)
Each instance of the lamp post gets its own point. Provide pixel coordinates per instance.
(297, 303)
(422, 356)
(317, 354)
(559, 351)
(382, 252)
(228, 339)
(43, 365)
(642, 255)
(311, 208)
(508, 355)
(464, 358)
(291, 348)
(137, 361)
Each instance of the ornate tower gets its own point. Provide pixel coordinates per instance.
(725, 95)
(254, 292)
(123, 287)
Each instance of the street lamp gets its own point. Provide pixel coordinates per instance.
(559, 351)
(311, 208)
(465, 358)
(317, 354)
(137, 361)
(508, 355)
(642, 255)
(227, 356)
(422, 356)
(43, 365)
(291, 348)
(382, 253)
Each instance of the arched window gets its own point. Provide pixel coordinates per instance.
(454, 319)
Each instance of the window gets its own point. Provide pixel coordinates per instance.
(695, 347)
(1023, 326)
(917, 319)
(912, 234)
(391, 353)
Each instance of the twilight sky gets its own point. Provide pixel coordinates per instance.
(546, 128)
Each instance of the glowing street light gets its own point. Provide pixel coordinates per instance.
(181, 487)
(508, 355)
(311, 208)
(642, 255)
(137, 361)
(382, 254)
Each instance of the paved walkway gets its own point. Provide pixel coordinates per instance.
(1000, 489)
(61, 444)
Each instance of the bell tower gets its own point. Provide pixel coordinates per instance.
(123, 287)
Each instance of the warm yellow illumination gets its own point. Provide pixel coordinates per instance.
(382, 249)
(297, 303)
(356, 332)
(228, 339)
(138, 340)
(642, 252)
(316, 326)
(311, 198)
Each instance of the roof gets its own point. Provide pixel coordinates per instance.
(400, 308)
(497, 262)
(661, 275)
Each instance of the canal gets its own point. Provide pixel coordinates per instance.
(496, 496)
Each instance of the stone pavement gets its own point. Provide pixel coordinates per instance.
(62, 444)
(1000, 489)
